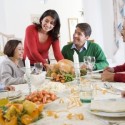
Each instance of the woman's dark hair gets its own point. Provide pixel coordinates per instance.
(54, 33)
(10, 47)
(85, 27)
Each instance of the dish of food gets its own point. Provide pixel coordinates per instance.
(63, 71)
(20, 113)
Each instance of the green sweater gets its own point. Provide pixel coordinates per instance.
(93, 49)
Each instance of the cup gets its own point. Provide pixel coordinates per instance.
(86, 93)
(37, 80)
(38, 68)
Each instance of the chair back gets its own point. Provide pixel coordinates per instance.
(3, 39)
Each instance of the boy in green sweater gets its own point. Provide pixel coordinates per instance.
(84, 47)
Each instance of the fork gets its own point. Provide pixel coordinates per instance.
(107, 85)
(113, 123)
(106, 122)
(110, 87)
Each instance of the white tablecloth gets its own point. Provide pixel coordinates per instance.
(62, 111)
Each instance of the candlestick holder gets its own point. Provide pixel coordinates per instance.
(28, 75)
(77, 73)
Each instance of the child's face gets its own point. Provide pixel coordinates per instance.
(18, 54)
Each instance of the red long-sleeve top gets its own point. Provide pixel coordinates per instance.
(119, 77)
(36, 51)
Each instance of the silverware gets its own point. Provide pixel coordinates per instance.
(113, 123)
(106, 122)
(112, 89)
(107, 85)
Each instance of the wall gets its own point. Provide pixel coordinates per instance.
(2, 15)
(99, 14)
(16, 22)
(16, 15)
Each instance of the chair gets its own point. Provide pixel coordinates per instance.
(3, 39)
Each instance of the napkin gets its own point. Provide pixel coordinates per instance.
(37, 80)
(108, 105)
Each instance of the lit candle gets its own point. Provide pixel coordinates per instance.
(27, 65)
(76, 59)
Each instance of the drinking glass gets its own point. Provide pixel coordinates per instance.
(38, 67)
(37, 80)
(92, 62)
(86, 92)
(89, 61)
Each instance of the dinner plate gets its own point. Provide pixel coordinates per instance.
(14, 94)
(11, 94)
(108, 114)
(49, 78)
(97, 71)
(96, 76)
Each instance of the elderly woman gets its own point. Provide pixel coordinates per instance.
(10, 72)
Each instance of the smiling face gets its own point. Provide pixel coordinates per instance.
(123, 31)
(79, 37)
(18, 53)
(47, 23)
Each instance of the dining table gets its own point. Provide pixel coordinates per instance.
(67, 109)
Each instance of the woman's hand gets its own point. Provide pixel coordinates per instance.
(9, 88)
(46, 66)
(107, 76)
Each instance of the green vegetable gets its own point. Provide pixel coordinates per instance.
(83, 72)
(68, 77)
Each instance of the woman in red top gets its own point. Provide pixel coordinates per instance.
(117, 73)
(39, 37)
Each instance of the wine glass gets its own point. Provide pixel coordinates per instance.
(37, 80)
(38, 67)
(89, 62)
(92, 63)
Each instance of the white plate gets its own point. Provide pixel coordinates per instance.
(14, 94)
(11, 94)
(97, 71)
(108, 114)
(96, 76)
(49, 78)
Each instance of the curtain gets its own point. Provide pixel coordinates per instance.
(119, 14)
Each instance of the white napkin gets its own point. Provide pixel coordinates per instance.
(37, 80)
(108, 105)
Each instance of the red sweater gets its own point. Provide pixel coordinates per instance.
(119, 77)
(36, 51)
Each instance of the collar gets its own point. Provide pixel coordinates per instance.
(83, 47)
